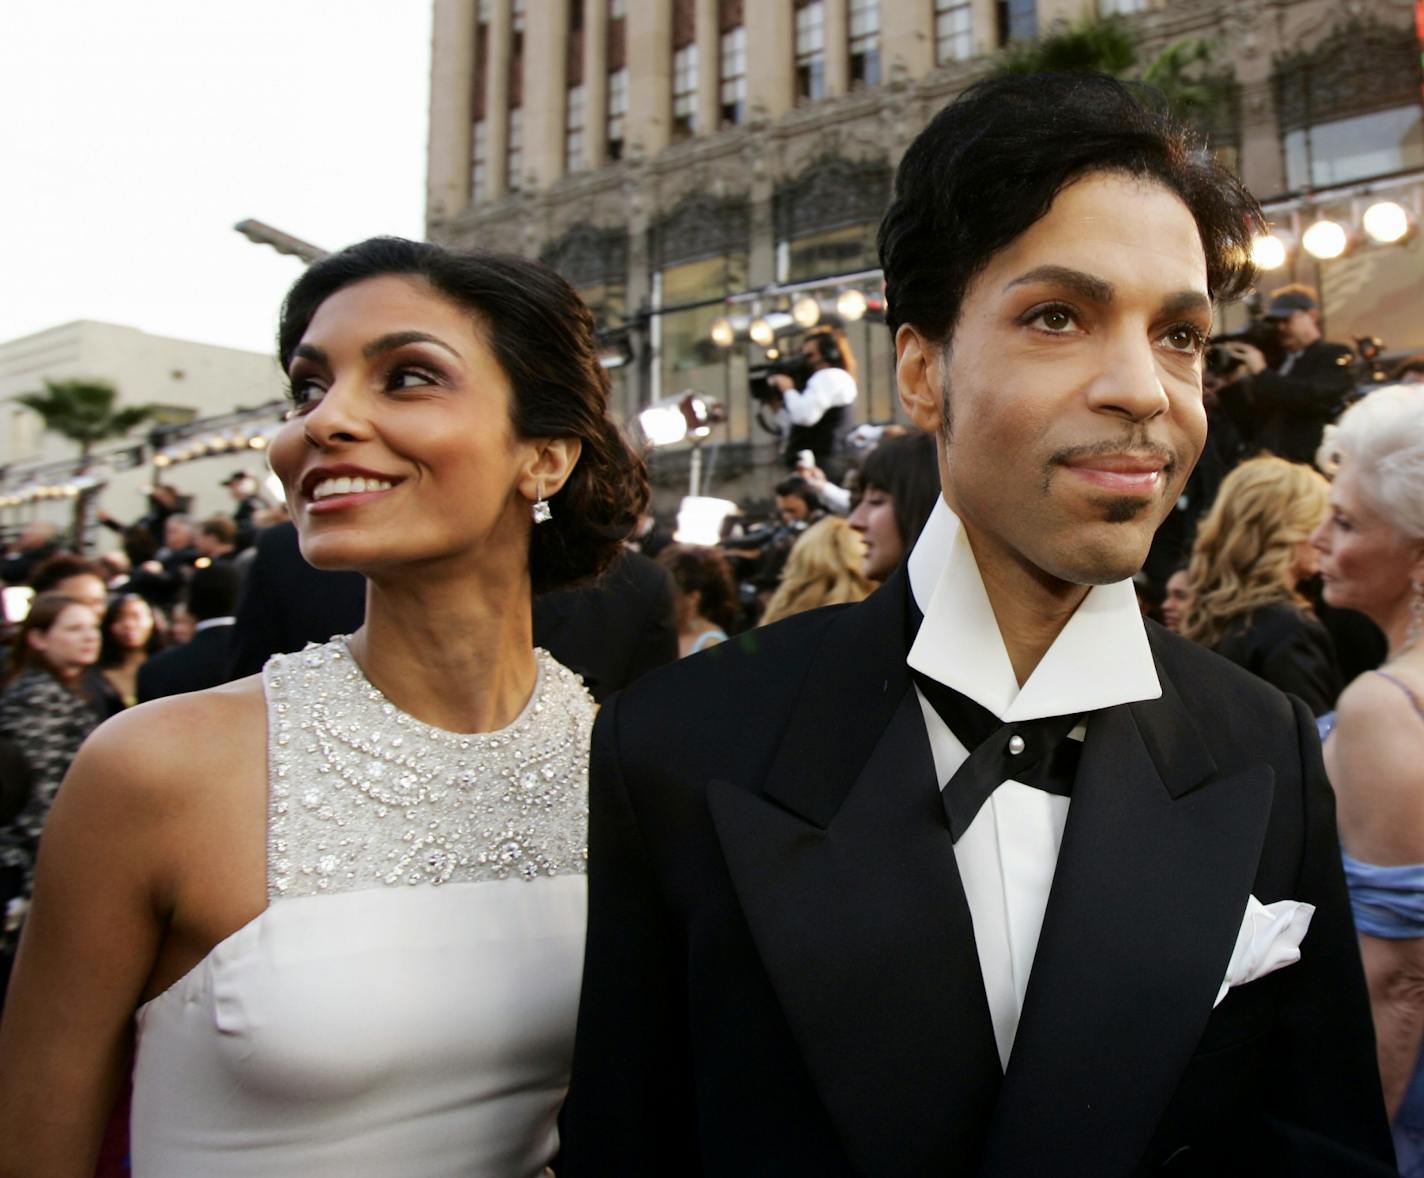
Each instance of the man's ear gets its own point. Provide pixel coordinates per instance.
(551, 463)
(917, 377)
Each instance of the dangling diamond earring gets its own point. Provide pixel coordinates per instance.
(543, 513)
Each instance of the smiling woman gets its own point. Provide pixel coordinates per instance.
(343, 902)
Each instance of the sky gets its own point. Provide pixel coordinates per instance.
(134, 136)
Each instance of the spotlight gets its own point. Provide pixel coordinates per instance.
(851, 305)
(724, 335)
(663, 425)
(1387, 222)
(760, 332)
(162, 460)
(1268, 251)
(258, 443)
(1325, 239)
(699, 519)
(773, 353)
(806, 311)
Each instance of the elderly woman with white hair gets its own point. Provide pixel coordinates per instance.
(1372, 559)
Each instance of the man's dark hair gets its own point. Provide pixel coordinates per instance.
(212, 591)
(906, 469)
(543, 336)
(990, 164)
(795, 485)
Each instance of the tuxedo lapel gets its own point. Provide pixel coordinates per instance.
(846, 874)
(1156, 865)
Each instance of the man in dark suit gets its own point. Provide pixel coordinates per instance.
(983, 875)
(286, 603)
(1296, 401)
(202, 661)
(614, 630)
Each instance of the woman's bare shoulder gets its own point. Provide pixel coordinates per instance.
(159, 749)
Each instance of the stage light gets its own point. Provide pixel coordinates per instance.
(663, 425)
(699, 519)
(806, 311)
(724, 335)
(760, 332)
(1387, 222)
(1325, 240)
(1268, 252)
(851, 305)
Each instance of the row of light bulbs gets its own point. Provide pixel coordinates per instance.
(32, 493)
(213, 444)
(806, 311)
(1385, 222)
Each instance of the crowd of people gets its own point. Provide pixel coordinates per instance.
(381, 903)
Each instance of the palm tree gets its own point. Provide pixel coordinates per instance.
(83, 411)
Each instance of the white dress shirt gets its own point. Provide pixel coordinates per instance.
(1007, 856)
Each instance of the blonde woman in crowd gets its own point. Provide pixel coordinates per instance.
(1372, 559)
(1252, 551)
(825, 568)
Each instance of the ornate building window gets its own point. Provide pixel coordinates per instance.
(617, 112)
(684, 92)
(1122, 7)
(1017, 20)
(954, 31)
(574, 160)
(733, 93)
(1349, 108)
(479, 161)
(863, 18)
(810, 50)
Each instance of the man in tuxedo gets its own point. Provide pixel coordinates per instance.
(202, 661)
(983, 875)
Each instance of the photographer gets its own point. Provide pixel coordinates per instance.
(816, 399)
(1295, 401)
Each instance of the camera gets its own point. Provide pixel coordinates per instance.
(1259, 333)
(797, 367)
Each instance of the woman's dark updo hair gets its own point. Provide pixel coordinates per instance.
(543, 337)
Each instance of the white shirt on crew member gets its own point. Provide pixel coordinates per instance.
(828, 388)
(1007, 857)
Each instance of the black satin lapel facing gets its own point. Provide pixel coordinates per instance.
(867, 939)
(1151, 884)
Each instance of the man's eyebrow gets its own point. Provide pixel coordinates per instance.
(1185, 302)
(309, 352)
(1088, 286)
(398, 339)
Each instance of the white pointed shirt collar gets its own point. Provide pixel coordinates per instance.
(1100, 658)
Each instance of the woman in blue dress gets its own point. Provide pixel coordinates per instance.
(1372, 560)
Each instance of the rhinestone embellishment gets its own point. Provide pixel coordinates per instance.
(362, 795)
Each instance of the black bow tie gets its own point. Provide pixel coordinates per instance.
(1034, 752)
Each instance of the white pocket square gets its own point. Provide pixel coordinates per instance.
(1269, 939)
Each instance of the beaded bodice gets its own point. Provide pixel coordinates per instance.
(362, 795)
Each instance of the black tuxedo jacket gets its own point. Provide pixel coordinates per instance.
(198, 664)
(781, 976)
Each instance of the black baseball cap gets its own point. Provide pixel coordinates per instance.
(1288, 302)
(236, 476)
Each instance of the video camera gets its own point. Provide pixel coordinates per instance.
(1259, 333)
(797, 367)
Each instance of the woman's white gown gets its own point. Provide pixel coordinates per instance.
(406, 1003)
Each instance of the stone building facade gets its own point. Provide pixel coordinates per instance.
(680, 160)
